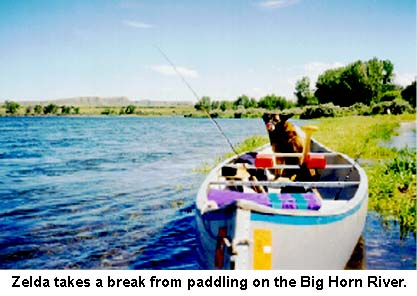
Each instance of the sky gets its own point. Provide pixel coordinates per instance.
(52, 49)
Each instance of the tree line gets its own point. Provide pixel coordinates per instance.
(269, 102)
(12, 108)
(362, 82)
(367, 82)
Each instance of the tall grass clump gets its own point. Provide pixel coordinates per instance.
(391, 172)
(392, 190)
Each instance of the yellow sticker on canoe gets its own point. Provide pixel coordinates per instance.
(262, 249)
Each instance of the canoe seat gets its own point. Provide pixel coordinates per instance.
(300, 201)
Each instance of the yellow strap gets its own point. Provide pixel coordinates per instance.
(262, 249)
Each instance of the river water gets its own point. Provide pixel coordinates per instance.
(118, 193)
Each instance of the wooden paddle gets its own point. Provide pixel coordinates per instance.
(308, 130)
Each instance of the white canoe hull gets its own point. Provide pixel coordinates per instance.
(244, 235)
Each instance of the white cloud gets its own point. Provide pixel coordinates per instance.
(287, 76)
(276, 4)
(170, 71)
(137, 25)
(404, 79)
(314, 69)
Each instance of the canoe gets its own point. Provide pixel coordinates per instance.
(289, 224)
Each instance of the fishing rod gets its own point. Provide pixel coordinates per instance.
(197, 97)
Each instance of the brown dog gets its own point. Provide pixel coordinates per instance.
(282, 134)
(285, 139)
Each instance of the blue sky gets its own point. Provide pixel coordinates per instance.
(224, 48)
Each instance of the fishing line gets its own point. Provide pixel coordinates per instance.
(197, 97)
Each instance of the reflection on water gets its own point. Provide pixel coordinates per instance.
(406, 136)
(382, 246)
(358, 257)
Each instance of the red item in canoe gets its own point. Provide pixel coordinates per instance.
(264, 161)
(315, 161)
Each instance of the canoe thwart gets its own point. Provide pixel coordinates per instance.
(295, 154)
(322, 184)
(289, 166)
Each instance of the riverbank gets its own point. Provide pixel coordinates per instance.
(131, 110)
(391, 171)
(181, 110)
(188, 110)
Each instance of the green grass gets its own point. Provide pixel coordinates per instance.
(360, 136)
(391, 172)
(392, 190)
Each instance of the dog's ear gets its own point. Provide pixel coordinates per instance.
(285, 117)
(266, 117)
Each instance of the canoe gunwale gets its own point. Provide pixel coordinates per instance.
(274, 184)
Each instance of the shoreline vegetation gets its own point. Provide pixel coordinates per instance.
(391, 171)
(306, 112)
(128, 110)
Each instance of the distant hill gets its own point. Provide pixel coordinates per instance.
(100, 102)
(151, 103)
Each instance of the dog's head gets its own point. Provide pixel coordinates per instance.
(272, 121)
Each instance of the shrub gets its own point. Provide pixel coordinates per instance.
(11, 107)
(130, 109)
(38, 109)
(324, 110)
(203, 104)
(400, 106)
(359, 109)
(392, 190)
(50, 109)
(214, 114)
(390, 96)
(65, 110)
(108, 111)
(225, 105)
(237, 115)
(409, 94)
(29, 110)
(396, 107)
